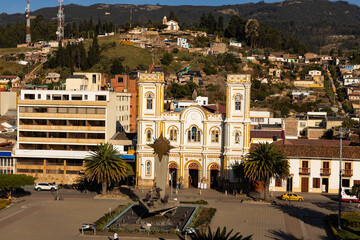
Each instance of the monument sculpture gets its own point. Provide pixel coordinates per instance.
(162, 149)
(156, 212)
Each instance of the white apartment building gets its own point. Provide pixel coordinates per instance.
(234, 43)
(180, 105)
(182, 42)
(315, 73)
(58, 129)
(82, 81)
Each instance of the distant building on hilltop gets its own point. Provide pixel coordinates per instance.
(172, 25)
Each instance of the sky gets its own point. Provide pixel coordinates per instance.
(18, 6)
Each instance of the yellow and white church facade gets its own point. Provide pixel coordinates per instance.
(206, 143)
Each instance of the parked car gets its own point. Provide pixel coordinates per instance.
(44, 186)
(3, 195)
(292, 197)
(347, 197)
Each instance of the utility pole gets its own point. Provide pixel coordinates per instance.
(142, 182)
(340, 174)
(171, 183)
(61, 18)
(130, 16)
(28, 27)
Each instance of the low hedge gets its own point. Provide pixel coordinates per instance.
(199, 202)
(202, 217)
(4, 203)
(101, 222)
(350, 226)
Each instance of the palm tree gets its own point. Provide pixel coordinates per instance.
(218, 235)
(264, 163)
(105, 166)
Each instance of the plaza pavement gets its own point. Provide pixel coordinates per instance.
(40, 217)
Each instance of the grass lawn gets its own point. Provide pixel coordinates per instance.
(4, 51)
(133, 56)
(12, 67)
(350, 228)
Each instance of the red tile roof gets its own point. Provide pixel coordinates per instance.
(212, 108)
(266, 133)
(317, 142)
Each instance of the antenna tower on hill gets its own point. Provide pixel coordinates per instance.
(28, 28)
(61, 18)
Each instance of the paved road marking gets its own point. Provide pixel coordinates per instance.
(8, 216)
(17, 216)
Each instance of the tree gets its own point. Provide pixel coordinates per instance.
(265, 163)
(172, 16)
(211, 23)
(167, 58)
(355, 190)
(350, 123)
(117, 67)
(209, 70)
(149, 23)
(105, 166)
(218, 235)
(8, 182)
(94, 52)
(220, 26)
(251, 30)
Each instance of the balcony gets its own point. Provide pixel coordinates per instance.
(60, 140)
(325, 171)
(347, 172)
(304, 171)
(62, 128)
(62, 116)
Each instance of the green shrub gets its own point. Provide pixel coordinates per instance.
(209, 70)
(201, 202)
(101, 222)
(203, 216)
(167, 58)
(4, 203)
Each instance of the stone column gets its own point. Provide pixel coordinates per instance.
(161, 172)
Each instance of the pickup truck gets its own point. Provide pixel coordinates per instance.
(346, 197)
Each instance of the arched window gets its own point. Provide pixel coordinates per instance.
(194, 135)
(148, 168)
(215, 136)
(149, 102)
(237, 138)
(148, 135)
(237, 102)
(173, 135)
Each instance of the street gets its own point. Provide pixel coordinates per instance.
(39, 216)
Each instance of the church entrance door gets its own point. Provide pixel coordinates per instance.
(193, 175)
(172, 175)
(214, 173)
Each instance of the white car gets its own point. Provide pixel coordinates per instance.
(44, 186)
(346, 197)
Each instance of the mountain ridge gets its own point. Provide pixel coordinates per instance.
(311, 21)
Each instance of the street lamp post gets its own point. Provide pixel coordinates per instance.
(171, 183)
(57, 188)
(340, 174)
(142, 182)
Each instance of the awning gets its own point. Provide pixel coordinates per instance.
(128, 157)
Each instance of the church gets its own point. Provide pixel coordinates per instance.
(208, 140)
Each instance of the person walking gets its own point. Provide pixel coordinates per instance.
(116, 236)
